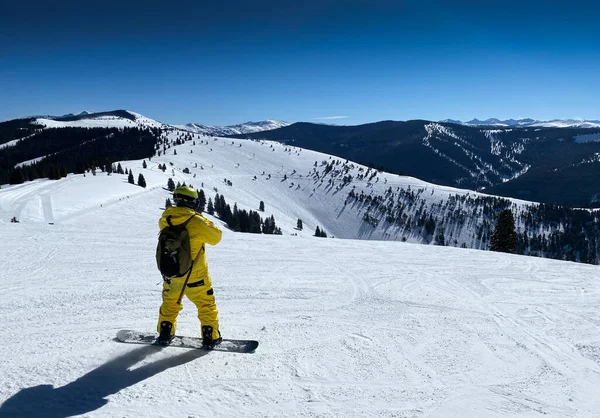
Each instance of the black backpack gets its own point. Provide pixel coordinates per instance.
(173, 252)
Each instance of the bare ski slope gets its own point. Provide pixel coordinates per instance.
(348, 328)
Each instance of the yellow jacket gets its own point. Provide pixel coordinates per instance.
(201, 230)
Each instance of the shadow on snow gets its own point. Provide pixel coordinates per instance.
(88, 393)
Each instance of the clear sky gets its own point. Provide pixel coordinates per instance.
(345, 62)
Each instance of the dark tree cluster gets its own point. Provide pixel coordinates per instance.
(73, 150)
(141, 180)
(548, 231)
(319, 232)
(461, 156)
(504, 238)
(17, 129)
(242, 220)
(171, 185)
(557, 232)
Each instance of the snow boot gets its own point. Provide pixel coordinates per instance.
(208, 343)
(165, 335)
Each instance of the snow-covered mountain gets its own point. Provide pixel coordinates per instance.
(347, 328)
(242, 128)
(383, 205)
(129, 119)
(111, 119)
(294, 183)
(555, 123)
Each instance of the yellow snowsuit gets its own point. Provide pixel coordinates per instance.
(199, 287)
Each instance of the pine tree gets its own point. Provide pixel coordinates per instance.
(261, 206)
(318, 232)
(120, 169)
(130, 178)
(504, 238)
(227, 214)
(217, 203)
(141, 181)
(170, 184)
(255, 222)
(299, 224)
(144, 165)
(440, 239)
(222, 206)
(168, 203)
(210, 208)
(201, 200)
(234, 221)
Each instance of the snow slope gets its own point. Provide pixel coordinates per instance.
(284, 177)
(101, 121)
(554, 123)
(242, 128)
(348, 328)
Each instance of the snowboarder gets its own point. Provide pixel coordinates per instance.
(199, 286)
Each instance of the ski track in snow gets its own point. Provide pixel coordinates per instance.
(347, 328)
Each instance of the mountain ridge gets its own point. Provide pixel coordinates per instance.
(528, 122)
(556, 165)
(341, 197)
(237, 129)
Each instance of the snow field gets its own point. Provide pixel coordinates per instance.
(347, 327)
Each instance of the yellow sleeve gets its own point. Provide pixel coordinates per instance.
(204, 230)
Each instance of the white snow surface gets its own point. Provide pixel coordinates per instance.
(347, 327)
(241, 128)
(91, 120)
(104, 121)
(555, 123)
(98, 122)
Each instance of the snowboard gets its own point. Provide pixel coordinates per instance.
(227, 345)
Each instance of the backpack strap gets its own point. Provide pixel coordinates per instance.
(186, 221)
(182, 224)
(189, 272)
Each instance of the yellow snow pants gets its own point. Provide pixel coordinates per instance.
(200, 293)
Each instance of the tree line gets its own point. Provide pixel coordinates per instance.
(241, 220)
(73, 150)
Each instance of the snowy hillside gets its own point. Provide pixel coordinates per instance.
(242, 128)
(114, 119)
(129, 119)
(293, 184)
(523, 123)
(347, 328)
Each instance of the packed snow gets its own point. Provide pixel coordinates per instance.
(347, 327)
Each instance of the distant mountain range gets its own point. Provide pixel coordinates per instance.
(542, 164)
(242, 128)
(523, 123)
(127, 118)
(556, 164)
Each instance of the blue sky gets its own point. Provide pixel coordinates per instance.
(344, 62)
